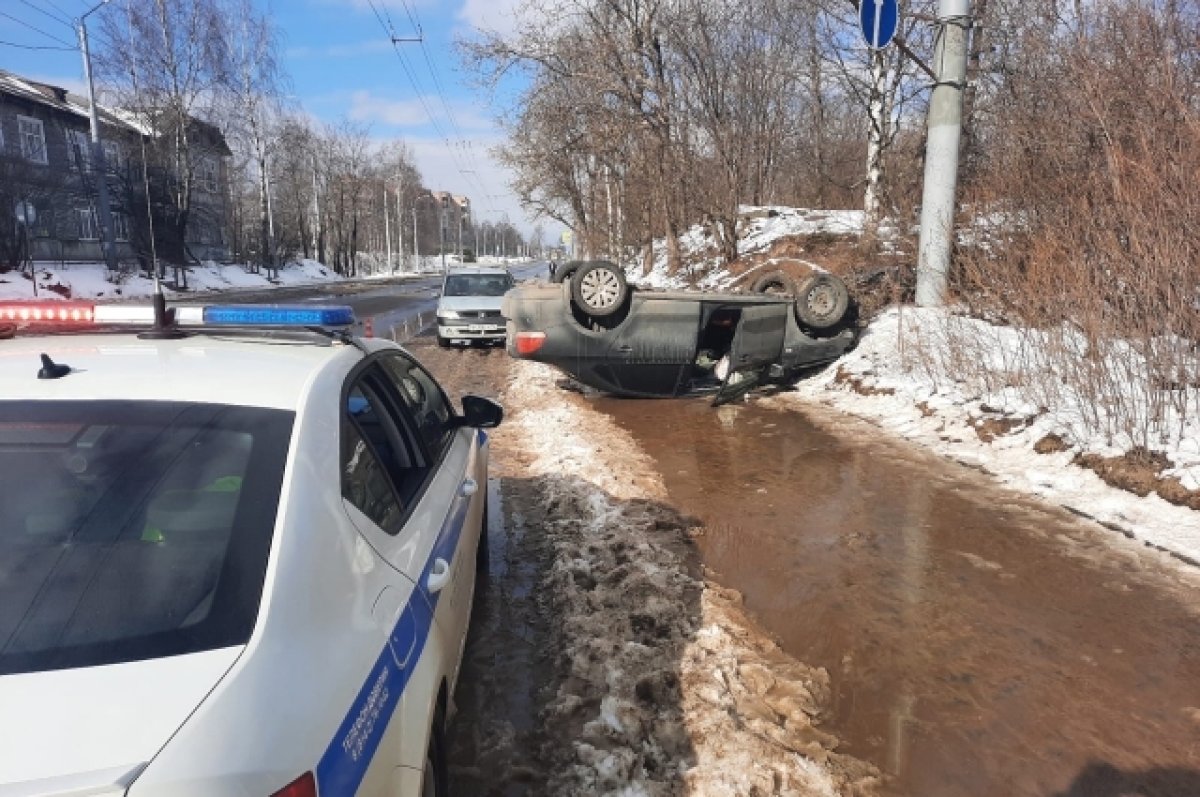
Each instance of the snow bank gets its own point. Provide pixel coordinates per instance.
(666, 680)
(760, 227)
(903, 377)
(95, 281)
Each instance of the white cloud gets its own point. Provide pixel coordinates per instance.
(352, 50)
(491, 16)
(470, 170)
(464, 117)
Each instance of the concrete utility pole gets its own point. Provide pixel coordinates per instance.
(387, 231)
(943, 131)
(101, 173)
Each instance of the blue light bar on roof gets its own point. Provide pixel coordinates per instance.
(277, 315)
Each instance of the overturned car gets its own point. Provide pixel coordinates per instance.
(643, 343)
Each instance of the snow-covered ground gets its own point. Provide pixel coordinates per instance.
(761, 227)
(901, 377)
(966, 389)
(94, 281)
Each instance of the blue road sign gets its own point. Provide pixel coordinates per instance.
(879, 20)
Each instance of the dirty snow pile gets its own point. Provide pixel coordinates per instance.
(938, 378)
(758, 229)
(665, 679)
(95, 281)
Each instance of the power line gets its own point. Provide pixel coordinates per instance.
(57, 8)
(48, 14)
(36, 47)
(36, 29)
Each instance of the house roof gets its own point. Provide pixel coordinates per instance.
(60, 99)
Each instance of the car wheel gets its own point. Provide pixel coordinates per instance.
(564, 272)
(443, 342)
(774, 282)
(822, 301)
(435, 782)
(599, 288)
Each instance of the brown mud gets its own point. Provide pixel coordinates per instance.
(977, 643)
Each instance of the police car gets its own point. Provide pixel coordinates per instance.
(237, 554)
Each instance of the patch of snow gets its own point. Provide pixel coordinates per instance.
(95, 281)
(761, 227)
(666, 680)
(905, 360)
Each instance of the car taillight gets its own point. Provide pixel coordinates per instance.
(303, 786)
(529, 342)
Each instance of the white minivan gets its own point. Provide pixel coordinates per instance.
(469, 307)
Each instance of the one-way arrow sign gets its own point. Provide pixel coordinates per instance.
(878, 19)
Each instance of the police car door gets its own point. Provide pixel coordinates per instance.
(455, 492)
(385, 489)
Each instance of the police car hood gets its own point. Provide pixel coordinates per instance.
(90, 731)
(469, 303)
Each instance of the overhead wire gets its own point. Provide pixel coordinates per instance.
(35, 29)
(37, 47)
(48, 14)
(469, 174)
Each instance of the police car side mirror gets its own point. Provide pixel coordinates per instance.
(481, 413)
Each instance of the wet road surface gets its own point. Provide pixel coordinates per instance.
(978, 643)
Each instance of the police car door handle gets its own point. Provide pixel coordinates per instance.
(439, 576)
(468, 488)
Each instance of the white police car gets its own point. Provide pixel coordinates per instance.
(235, 562)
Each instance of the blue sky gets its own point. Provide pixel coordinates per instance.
(343, 66)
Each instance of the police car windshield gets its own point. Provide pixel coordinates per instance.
(477, 284)
(132, 530)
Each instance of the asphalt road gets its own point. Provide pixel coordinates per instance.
(398, 307)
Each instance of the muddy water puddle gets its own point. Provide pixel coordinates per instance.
(978, 643)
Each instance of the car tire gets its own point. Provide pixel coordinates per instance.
(774, 282)
(563, 273)
(443, 343)
(822, 301)
(436, 782)
(599, 288)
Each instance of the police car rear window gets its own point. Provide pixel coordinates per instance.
(133, 530)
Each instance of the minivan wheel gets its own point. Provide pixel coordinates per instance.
(821, 301)
(599, 288)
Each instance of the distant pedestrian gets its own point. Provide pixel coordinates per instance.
(553, 268)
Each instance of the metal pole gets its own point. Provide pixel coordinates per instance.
(943, 131)
(387, 231)
(416, 241)
(105, 211)
(442, 236)
(270, 220)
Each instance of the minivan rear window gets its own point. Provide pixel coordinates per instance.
(132, 530)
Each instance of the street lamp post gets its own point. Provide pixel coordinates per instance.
(105, 211)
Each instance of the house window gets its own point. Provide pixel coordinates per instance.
(206, 174)
(33, 139)
(120, 223)
(88, 229)
(79, 150)
(112, 155)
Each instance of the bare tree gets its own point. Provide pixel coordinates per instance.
(164, 58)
